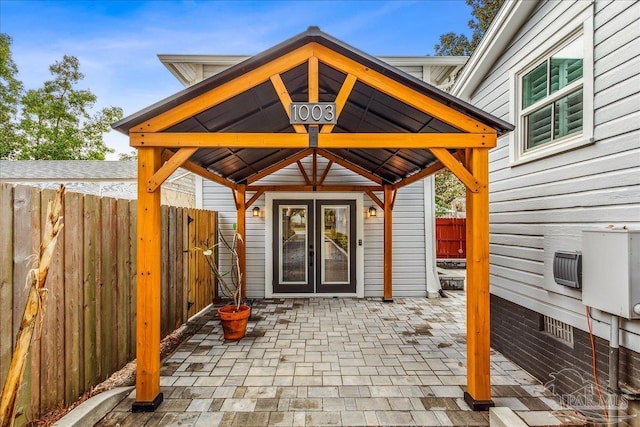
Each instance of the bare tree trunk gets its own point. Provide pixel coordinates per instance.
(35, 306)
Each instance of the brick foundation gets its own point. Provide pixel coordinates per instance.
(517, 333)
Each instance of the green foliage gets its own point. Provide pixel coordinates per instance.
(54, 122)
(447, 188)
(483, 12)
(10, 93)
(132, 155)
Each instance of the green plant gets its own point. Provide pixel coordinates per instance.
(230, 280)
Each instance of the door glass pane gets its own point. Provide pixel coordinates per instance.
(335, 245)
(293, 244)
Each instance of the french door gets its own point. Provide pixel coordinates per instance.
(314, 247)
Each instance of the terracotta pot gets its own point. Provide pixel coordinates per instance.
(234, 323)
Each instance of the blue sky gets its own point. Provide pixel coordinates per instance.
(117, 42)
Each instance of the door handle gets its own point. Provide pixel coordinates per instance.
(311, 254)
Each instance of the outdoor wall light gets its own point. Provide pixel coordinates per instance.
(373, 211)
(256, 211)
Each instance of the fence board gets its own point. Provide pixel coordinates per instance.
(133, 250)
(26, 243)
(185, 264)
(108, 343)
(171, 278)
(450, 238)
(122, 283)
(89, 322)
(73, 325)
(6, 278)
(178, 257)
(91, 268)
(164, 273)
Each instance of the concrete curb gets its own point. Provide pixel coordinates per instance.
(504, 417)
(94, 409)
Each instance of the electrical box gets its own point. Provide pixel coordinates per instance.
(611, 271)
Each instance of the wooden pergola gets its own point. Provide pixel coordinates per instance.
(234, 129)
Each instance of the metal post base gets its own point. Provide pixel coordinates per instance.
(147, 406)
(478, 405)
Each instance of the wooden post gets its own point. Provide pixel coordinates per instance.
(148, 396)
(478, 394)
(388, 244)
(241, 200)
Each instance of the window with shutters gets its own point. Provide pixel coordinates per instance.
(553, 102)
(552, 97)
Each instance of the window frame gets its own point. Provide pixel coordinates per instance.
(581, 26)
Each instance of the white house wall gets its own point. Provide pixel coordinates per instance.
(409, 277)
(540, 207)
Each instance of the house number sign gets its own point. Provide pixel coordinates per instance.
(314, 113)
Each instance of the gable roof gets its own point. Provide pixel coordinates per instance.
(258, 108)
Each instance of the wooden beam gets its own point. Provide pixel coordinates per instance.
(227, 90)
(429, 170)
(456, 168)
(341, 100)
(349, 188)
(388, 245)
(314, 80)
(280, 165)
(285, 99)
(219, 140)
(297, 188)
(403, 140)
(304, 173)
(170, 166)
(399, 91)
(325, 173)
(199, 170)
(148, 395)
(241, 219)
(348, 165)
(374, 198)
(253, 198)
(478, 394)
(393, 197)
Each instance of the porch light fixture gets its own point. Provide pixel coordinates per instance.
(256, 211)
(373, 211)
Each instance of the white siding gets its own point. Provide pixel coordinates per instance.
(542, 206)
(408, 229)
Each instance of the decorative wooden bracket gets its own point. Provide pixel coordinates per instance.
(176, 160)
(456, 168)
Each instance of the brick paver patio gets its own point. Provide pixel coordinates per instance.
(337, 361)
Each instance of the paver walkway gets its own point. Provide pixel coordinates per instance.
(330, 361)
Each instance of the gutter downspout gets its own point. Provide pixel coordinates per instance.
(431, 274)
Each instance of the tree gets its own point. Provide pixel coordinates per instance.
(10, 94)
(447, 188)
(56, 120)
(483, 12)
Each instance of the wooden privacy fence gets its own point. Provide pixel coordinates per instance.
(88, 327)
(451, 236)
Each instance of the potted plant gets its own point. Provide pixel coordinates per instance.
(234, 317)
